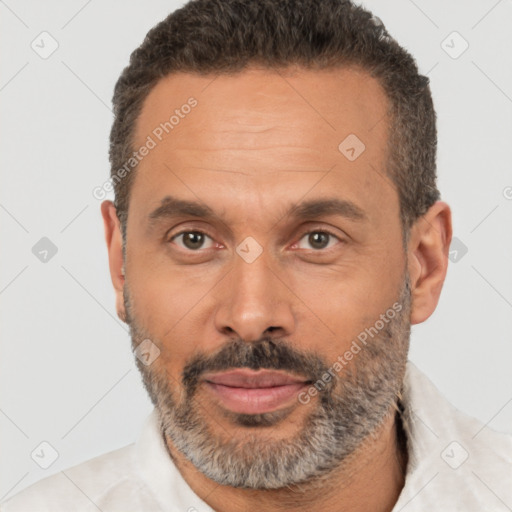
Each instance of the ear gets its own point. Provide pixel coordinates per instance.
(114, 241)
(428, 250)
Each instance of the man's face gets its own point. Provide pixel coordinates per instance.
(253, 302)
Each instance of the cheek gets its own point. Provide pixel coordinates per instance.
(338, 304)
(159, 295)
(167, 305)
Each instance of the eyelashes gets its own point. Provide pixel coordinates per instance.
(190, 240)
(195, 240)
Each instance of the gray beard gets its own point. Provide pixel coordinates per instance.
(348, 410)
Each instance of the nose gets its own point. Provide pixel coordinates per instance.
(253, 301)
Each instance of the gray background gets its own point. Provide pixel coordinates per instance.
(67, 375)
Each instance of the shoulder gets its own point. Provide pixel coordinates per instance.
(428, 409)
(99, 483)
(455, 461)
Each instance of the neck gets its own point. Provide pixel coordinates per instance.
(371, 479)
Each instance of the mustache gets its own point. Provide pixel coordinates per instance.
(262, 354)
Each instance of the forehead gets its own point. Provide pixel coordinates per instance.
(333, 101)
(266, 135)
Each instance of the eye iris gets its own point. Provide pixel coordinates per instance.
(319, 240)
(193, 240)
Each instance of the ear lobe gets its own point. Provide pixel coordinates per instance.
(428, 259)
(113, 238)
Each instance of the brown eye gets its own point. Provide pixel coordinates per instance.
(318, 240)
(192, 240)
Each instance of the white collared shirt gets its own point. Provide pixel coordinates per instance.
(455, 464)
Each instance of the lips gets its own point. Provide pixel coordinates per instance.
(254, 392)
(253, 379)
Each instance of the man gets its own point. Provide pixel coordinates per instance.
(276, 231)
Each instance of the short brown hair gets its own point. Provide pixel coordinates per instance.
(225, 36)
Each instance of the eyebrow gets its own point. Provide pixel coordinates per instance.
(171, 207)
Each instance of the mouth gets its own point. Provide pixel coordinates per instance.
(254, 392)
